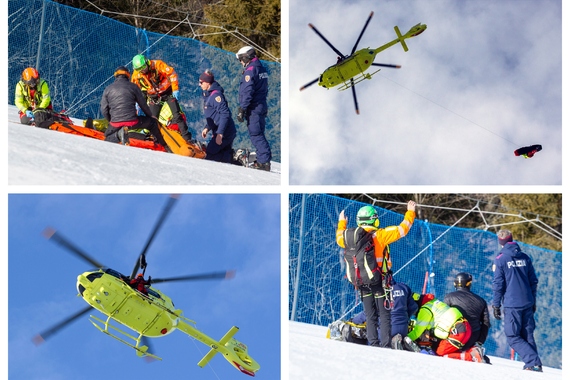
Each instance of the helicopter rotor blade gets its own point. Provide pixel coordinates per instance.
(141, 261)
(362, 32)
(327, 41)
(42, 337)
(387, 65)
(51, 234)
(309, 84)
(354, 97)
(206, 276)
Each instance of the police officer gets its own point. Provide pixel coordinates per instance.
(514, 286)
(472, 307)
(253, 104)
(219, 120)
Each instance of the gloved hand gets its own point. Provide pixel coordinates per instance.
(497, 312)
(176, 94)
(240, 114)
(29, 114)
(412, 323)
(341, 216)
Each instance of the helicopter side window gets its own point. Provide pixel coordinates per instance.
(153, 293)
(114, 273)
(93, 276)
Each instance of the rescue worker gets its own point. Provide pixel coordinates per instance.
(253, 87)
(514, 287)
(33, 98)
(140, 284)
(403, 307)
(159, 82)
(444, 329)
(373, 296)
(218, 118)
(472, 307)
(118, 106)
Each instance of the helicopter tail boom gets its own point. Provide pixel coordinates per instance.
(232, 350)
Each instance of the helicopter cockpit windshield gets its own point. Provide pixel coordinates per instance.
(114, 273)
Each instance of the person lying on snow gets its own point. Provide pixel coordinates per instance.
(403, 306)
(118, 105)
(443, 331)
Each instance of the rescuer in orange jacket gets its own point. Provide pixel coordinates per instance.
(159, 82)
(374, 295)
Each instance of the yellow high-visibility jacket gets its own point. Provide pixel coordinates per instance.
(33, 98)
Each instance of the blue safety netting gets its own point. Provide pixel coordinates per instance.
(78, 51)
(427, 260)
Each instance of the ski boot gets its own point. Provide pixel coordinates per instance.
(410, 345)
(240, 157)
(257, 165)
(123, 135)
(397, 342)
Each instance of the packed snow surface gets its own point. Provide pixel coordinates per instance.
(312, 356)
(45, 157)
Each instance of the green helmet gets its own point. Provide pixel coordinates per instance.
(139, 61)
(367, 215)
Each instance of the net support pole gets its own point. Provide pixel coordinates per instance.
(299, 259)
(41, 35)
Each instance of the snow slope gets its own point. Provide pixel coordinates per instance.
(44, 157)
(312, 356)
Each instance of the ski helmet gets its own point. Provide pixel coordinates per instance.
(139, 62)
(31, 77)
(425, 298)
(122, 70)
(367, 215)
(463, 280)
(245, 54)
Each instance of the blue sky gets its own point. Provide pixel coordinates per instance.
(203, 233)
(484, 79)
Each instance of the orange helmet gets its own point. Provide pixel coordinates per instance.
(31, 77)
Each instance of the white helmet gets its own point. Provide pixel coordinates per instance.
(245, 54)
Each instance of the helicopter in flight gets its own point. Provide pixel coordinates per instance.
(350, 69)
(133, 302)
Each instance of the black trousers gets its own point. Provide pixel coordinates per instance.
(372, 297)
(145, 122)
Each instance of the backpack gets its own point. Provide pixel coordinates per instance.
(361, 266)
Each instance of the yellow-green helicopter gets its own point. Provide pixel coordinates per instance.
(350, 69)
(149, 313)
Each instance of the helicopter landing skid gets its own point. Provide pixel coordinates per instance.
(356, 80)
(141, 350)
